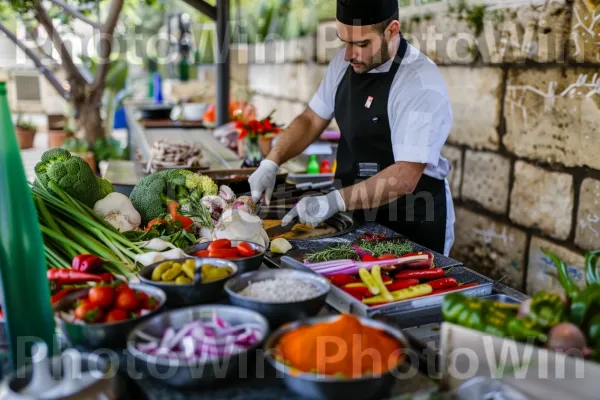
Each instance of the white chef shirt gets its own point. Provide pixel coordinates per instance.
(419, 113)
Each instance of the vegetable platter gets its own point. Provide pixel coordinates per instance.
(417, 295)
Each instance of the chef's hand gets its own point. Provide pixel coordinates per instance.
(263, 180)
(314, 210)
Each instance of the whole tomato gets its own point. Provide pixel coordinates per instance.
(127, 300)
(219, 244)
(120, 286)
(102, 296)
(224, 253)
(89, 312)
(116, 315)
(146, 302)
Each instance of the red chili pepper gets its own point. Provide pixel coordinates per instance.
(466, 285)
(58, 296)
(155, 221)
(398, 284)
(432, 273)
(69, 276)
(342, 279)
(443, 283)
(86, 263)
(357, 292)
(368, 257)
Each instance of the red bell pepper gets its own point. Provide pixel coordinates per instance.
(432, 273)
(86, 263)
(67, 276)
(443, 283)
(342, 279)
(186, 222)
(452, 289)
(398, 284)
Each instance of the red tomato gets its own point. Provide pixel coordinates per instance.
(115, 315)
(202, 253)
(127, 300)
(245, 249)
(84, 301)
(102, 296)
(89, 313)
(224, 253)
(121, 286)
(146, 302)
(220, 244)
(387, 257)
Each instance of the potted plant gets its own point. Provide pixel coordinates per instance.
(58, 134)
(256, 137)
(25, 133)
(81, 148)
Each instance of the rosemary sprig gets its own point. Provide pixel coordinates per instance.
(345, 251)
(338, 252)
(386, 247)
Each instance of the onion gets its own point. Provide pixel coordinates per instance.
(568, 338)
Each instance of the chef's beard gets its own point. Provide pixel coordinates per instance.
(378, 60)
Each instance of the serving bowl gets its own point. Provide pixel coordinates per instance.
(244, 264)
(181, 295)
(329, 387)
(103, 335)
(279, 313)
(183, 373)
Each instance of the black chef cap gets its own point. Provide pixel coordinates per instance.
(365, 12)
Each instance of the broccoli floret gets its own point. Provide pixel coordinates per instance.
(70, 173)
(151, 195)
(48, 159)
(76, 177)
(105, 187)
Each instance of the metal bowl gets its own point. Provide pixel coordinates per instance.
(330, 387)
(244, 264)
(279, 313)
(182, 373)
(180, 295)
(102, 335)
(107, 385)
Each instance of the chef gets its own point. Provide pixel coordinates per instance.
(391, 104)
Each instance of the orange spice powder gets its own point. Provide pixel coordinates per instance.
(344, 346)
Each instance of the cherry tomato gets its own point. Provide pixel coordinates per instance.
(245, 249)
(89, 313)
(127, 300)
(202, 253)
(102, 296)
(387, 257)
(115, 315)
(121, 286)
(84, 301)
(146, 302)
(219, 244)
(224, 253)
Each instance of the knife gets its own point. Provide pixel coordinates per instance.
(281, 229)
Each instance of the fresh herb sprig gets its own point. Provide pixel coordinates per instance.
(345, 251)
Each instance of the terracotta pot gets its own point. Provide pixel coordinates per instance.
(25, 138)
(57, 137)
(265, 144)
(89, 158)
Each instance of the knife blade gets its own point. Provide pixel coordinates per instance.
(281, 229)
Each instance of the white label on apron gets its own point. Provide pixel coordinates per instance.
(367, 169)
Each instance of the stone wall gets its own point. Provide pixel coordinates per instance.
(524, 81)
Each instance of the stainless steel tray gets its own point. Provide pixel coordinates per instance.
(343, 302)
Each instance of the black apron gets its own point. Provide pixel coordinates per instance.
(365, 148)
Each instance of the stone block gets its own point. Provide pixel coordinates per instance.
(552, 115)
(542, 199)
(585, 32)
(486, 180)
(297, 82)
(475, 94)
(502, 32)
(454, 157)
(541, 271)
(328, 44)
(587, 234)
(492, 248)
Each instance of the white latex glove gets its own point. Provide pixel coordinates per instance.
(263, 181)
(314, 210)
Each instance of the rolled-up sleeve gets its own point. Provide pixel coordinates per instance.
(420, 126)
(323, 102)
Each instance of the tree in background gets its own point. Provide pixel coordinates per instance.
(84, 87)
